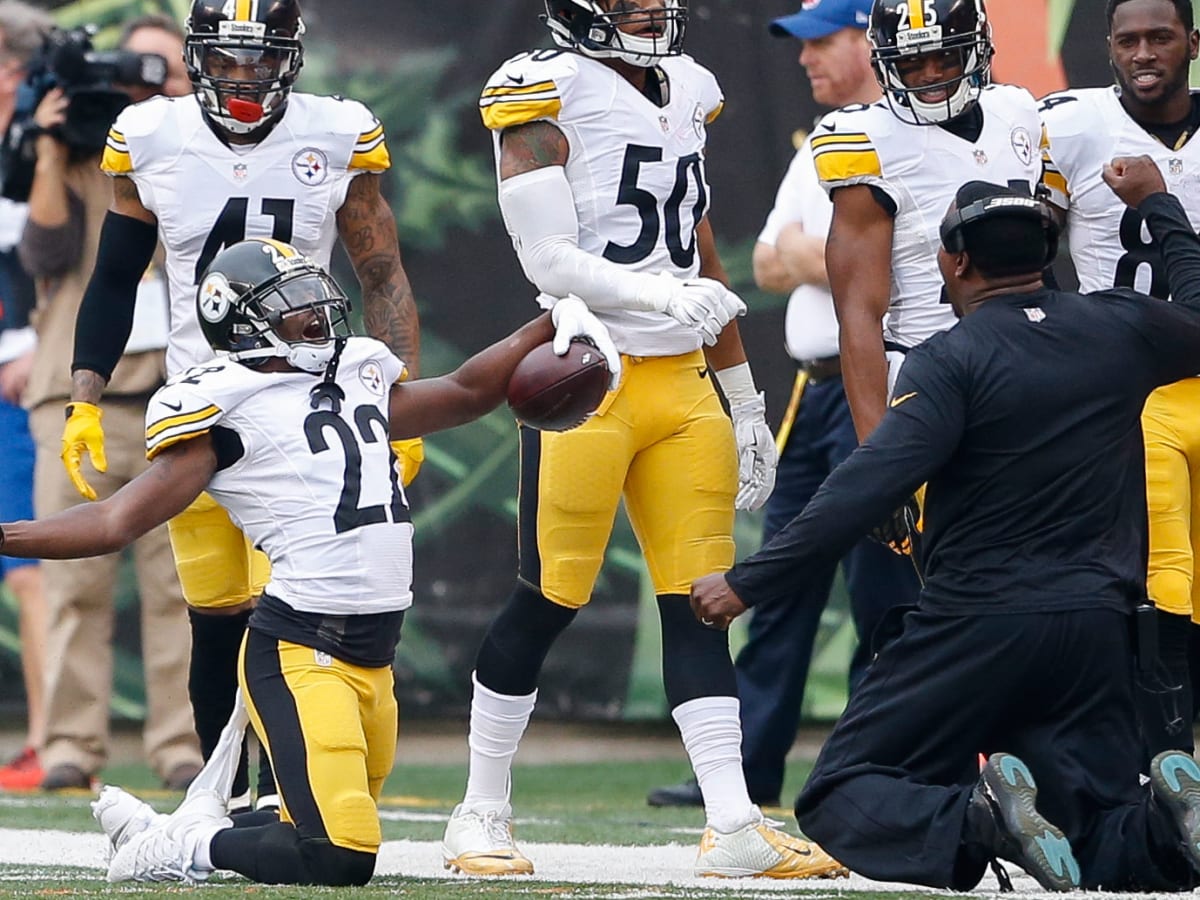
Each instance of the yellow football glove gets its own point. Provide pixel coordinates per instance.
(410, 454)
(83, 432)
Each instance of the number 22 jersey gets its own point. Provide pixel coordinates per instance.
(636, 168)
(208, 194)
(314, 489)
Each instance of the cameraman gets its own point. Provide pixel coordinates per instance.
(67, 203)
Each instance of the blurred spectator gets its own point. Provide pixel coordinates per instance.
(67, 204)
(21, 30)
(817, 431)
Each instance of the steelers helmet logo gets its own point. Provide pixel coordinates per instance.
(310, 166)
(215, 298)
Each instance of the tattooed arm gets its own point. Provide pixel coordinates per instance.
(368, 231)
(534, 145)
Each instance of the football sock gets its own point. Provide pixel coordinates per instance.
(212, 681)
(712, 735)
(276, 854)
(497, 723)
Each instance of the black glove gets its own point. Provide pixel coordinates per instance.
(898, 529)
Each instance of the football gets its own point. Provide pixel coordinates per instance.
(557, 393)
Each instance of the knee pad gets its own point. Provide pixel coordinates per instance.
(515, 646)
(695, 658)
(328, 864)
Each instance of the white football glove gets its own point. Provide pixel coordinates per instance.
(757, 455)
(573, 319)
(702, 304)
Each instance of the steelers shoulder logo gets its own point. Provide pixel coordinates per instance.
(1022, 144)
(216, 296)
(310, 166)
(370, 374)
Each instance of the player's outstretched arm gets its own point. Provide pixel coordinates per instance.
(368, 231)
(858, 257)
(473, 389)
(175, 478)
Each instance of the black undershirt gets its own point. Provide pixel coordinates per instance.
(1174, 135)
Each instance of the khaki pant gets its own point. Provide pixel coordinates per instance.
(79, 596)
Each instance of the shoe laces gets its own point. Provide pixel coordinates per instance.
(496, 827)
(159, 858)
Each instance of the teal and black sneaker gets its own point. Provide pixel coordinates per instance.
(1004, 812)
(1175, 785)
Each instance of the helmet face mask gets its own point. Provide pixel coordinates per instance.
(242, 70)
(262, 299)
(588, 28)
(904, 34)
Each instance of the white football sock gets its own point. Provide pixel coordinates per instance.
(497, 723)
(712, 736)
(197, 844)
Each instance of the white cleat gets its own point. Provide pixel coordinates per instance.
(481, 843)
(122, 815)
(759, 850)
(165, 851)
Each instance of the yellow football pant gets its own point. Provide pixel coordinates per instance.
(1171, 427)
(329, 728)
(663, 442)
(217, 566)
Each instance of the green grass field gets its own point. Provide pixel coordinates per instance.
(593, 804)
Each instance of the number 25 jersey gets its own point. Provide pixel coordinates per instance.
(207, 194)
(1110, 244)
(314, 489)
(636, 169)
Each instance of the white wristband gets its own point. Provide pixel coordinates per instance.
(737, 383)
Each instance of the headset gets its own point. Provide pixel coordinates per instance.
(1012, 205)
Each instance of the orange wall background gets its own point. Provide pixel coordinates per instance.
(1021, 32)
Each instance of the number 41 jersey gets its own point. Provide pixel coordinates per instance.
(207, 194)
(1110, 244)
(636, 169)
(314, 489)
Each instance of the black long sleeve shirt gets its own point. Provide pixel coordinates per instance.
(1024, 420)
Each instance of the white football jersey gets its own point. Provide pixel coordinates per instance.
(636, 169)
(1110, 244)
(921, 167)
(208, 194)
(314, 489)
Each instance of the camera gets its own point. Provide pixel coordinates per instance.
(90, 80)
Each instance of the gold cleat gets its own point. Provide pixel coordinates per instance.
(481, 843)
(758, 850)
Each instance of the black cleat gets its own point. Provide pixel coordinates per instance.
(686, 793)
(1175, 785)
(1017, 832)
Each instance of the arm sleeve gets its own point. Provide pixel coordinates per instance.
(917, 435)
(106, 312)
(50, 252)
(539, 213)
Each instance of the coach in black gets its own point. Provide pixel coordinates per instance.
(1024, 421)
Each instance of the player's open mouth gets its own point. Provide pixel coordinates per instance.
(1146, 79)
(934, 95)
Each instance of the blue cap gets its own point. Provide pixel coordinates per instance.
(819, 18)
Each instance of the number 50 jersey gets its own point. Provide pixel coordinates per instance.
(1110, 244)
(207, 194)
(636, 169)
(314, 489)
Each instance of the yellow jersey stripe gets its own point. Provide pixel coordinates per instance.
(154, 450)
(162, 425)
(842, 165)
(502, 90)
(717, 110)
(369, 137)
(499, 116)
(1056, 182)
(116, 161)
(823, 140)
(374, 159)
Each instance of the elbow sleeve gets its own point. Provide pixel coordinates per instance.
(539, 213)
(106, 312)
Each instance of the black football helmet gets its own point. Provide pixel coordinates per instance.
(584, 26)
(251, 287)
(903, 29)
(262, 36)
